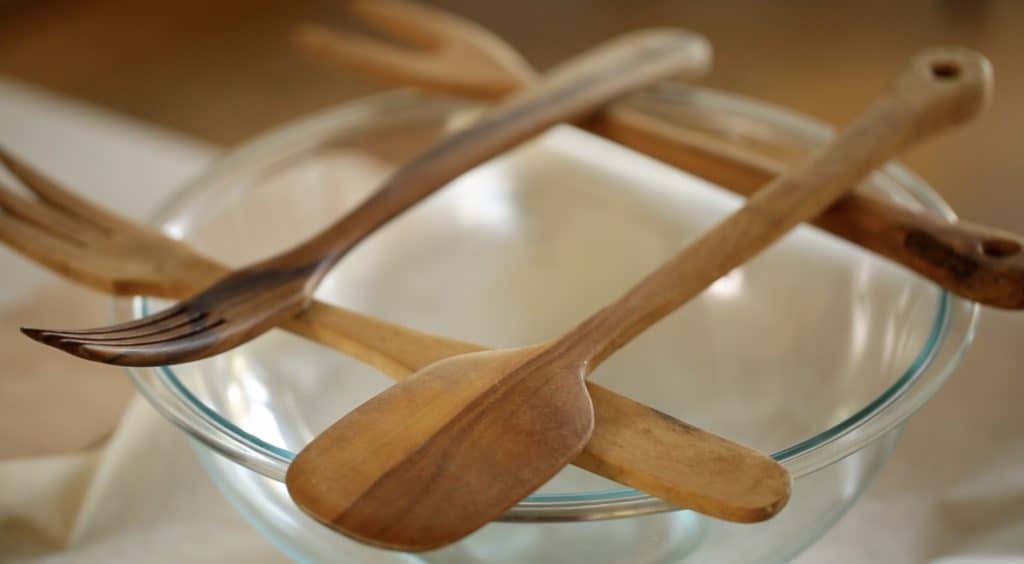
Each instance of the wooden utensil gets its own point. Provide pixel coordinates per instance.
(975, 261)
(444, 52)
(452, 447)
(254, 299)
(632, 443)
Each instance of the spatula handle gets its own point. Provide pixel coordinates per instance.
(940, 88)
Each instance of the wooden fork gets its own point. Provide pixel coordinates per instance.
(254, 299)
(449, 53)
(445, 53)
(632, 443)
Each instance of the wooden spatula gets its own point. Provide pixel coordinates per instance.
(449, 449)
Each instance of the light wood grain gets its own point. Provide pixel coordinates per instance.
(978, 262)
(450, 448)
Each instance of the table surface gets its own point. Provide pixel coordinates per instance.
(955, 485)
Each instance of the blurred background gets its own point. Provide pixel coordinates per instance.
(220, 72)
(224, 71)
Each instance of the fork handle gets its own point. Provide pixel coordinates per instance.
(940, 88)
(571, 92)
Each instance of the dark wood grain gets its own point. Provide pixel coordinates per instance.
(489, 415)
(256, 298)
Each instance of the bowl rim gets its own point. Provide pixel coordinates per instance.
(951, 332)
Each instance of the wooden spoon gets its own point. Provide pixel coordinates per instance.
(449, 449)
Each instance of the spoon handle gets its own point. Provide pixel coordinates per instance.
(940, 88)
(570, 92)
(978, 262)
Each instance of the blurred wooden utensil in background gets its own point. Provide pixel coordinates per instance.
(978, 262)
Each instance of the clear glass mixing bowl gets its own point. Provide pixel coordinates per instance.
(816, 351)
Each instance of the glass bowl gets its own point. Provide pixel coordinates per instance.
(816, 351)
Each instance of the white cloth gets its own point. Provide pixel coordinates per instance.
(49, 403)
(953, 493)
(141, 496)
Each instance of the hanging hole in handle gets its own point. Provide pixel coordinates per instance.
(1000, 248)
(945, 70)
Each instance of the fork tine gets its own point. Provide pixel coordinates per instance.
(139, 328)
(419, 24)
(59, 197)
(42, 334)
(42, 245)
(403, 66)
(44, 217)
(455, 55)
(150, 354)
(408, 22)
(180, 331)
(361, 52)
(159, 338)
